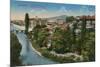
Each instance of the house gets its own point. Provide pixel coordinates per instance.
(37, 21)
(90, 21)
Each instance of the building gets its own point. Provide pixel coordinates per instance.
(90, 21)
(37, 21)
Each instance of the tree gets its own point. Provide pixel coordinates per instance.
(70, 19)
(74, 45)
(26, 23)
(83, 35)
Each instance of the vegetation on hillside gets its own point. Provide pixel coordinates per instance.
(65, 41)
(15, 49)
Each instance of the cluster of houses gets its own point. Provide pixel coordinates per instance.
(51, 23)
(18, 22)
(90, 22)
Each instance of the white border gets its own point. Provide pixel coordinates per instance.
(4, 33)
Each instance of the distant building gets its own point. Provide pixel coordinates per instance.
(18, 22)
(90, 21)
(38, 21)
(60, 21)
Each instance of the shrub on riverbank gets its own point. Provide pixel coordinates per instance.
(15, 49)
(58, 58)
(46, 53)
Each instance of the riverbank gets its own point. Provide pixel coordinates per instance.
(60, 58)
(15, 49)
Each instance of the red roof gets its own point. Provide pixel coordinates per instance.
(87, 17)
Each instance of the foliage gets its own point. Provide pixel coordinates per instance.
(15, 49)
(47, 54)
(40, 35)
(66, 40)
(61, 42)
(70, 19)
(26, 23)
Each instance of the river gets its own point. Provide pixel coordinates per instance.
(28, 55)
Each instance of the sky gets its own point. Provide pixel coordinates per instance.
(45, 10)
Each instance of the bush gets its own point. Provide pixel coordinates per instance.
(15, 49)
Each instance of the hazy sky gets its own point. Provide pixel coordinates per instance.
(43, 10)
